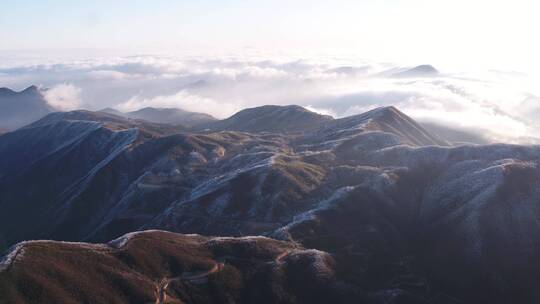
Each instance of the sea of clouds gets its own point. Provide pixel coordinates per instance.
(502, 106)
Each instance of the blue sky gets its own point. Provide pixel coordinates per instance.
(445, 32)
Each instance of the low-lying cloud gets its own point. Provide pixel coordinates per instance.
(64, 97)
(501, 105)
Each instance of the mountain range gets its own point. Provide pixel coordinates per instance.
(371, 208)
(18, 109)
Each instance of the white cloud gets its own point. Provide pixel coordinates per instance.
(321, 111)
(108, 75)
(185, 101)
(504, 104)
(64, 97)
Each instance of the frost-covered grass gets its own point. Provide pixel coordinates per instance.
(17, 252)
(311, 214)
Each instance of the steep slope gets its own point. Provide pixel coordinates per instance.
(377, 123)
(30, 198)
(461, 220)
(181, 182)
(391, 120)
(20, 108)
(279, 119)
(404, 215)
(48, 163)
(116, 175)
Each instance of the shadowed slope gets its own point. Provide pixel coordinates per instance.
(20, 108)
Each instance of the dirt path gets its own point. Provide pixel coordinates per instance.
(160, 291)
(161, 287)
(196, 276)
(281, 256)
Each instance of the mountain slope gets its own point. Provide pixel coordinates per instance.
(20, 108)
(382, 124)
(128, 174)
(418, 220)
(464, 217)
(74, 147)
(280, 119)
(138, 267)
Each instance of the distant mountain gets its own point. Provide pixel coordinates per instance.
(287, 119)
(419, 71)
(371, 208)
(112, 111)
(20, 108)
(171, 116)
(110, 121)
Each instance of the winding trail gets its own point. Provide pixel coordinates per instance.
(281, 256)
(197, 276)
(161, 287)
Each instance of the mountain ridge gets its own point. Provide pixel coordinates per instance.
(271, 118)
(172, 116)
(417, 215)
(20, 108)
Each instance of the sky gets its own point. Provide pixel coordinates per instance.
(334, 57)
(449, 33)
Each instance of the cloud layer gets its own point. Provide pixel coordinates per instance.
(501, 105)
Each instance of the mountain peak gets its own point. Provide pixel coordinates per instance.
(7, 92)
(384, 110)
(31, 89)
(424, 70)
(273, 118)
(389, 119)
